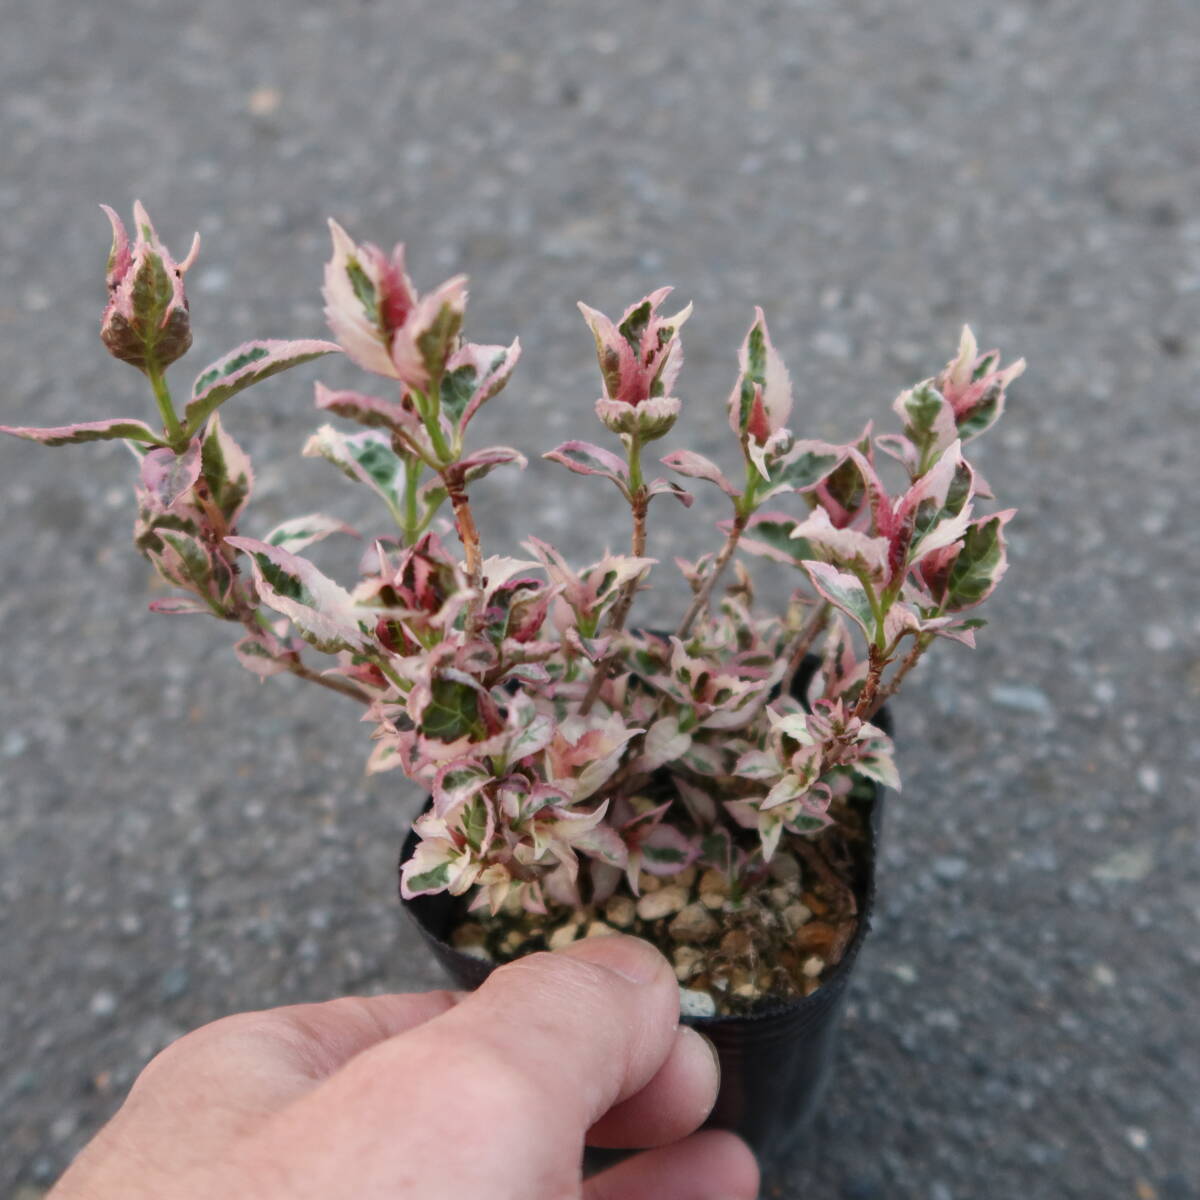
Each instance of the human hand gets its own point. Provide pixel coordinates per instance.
(487, 1095)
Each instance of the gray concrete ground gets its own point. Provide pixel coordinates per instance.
(177, 842)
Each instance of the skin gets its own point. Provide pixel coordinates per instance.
(490, 1094)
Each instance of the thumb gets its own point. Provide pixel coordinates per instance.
(504, 1085)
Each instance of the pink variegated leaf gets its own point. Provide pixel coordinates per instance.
(928, 419)
(843, 492)
(474, 374)
(974, 385)
(482, 462)
(787, 789)
(585, 752)
(323, 613)
(191, 563)
(266, 652)
(770, 535)
(668, 487)
(226, 469)
(667, 850)
(584, 458)
(299, 532)
(879, 765)
(897, 446)
(386, 756)
(664, 743)
(761, 400)
(847, 549)
(371, 411)
(368, 298)
(592, 648)
(696, 466)
(243, 367)
(430, 868)
(900, 620)
(455, 784)
(799, 466)
(365, 457)
(962, 631)
(87, 431)
(980, 564)
(167, 477)
(603, 843)
(844, 592)
(178, 606)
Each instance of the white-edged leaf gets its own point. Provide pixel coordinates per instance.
(87, 431)
(246, 365)
(844, 592)
(365, 457)
(299, 532)
(323, 612)
(696, 466)
(587, 459)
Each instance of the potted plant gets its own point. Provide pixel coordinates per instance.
(715, 787)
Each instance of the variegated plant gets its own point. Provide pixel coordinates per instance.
(565, 751)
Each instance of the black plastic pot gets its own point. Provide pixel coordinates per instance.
(775, 1063)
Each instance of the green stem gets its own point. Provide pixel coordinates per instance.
(636, 482)
(412, 480)
(878, 611)
(162, 396)
(430, 407)
(639, 502)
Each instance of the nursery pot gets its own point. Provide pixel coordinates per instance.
(775, 1062)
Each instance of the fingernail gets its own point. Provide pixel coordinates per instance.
(630, 957)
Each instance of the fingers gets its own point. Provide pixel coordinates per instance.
(318, 1039)
(591, 1025)
(513, 1075)
(673, 1104)
(707, 1166)
(223, 1080)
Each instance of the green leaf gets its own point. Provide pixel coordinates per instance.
(427, 881)
(365, 457)
(845, 592)
(770, 534)
(664, 854)
(226, 469)
(806, 469)
(980, 563)
(452, 712)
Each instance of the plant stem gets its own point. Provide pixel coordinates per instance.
(875, 665)
(640, 502)
(464, 520)
(743, 509)
(166, 410)
(412, 479)
(701, 598)
(255, 619)
(808, 635)
(342, 686)
(884, 693)
(430, 407)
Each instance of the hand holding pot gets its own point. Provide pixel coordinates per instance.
(436, 1095)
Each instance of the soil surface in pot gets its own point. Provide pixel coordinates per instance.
(731, 955)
